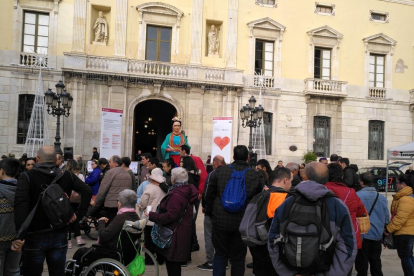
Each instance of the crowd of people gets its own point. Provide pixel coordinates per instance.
(295, 219)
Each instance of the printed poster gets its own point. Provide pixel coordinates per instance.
(222, 131)
(111, 132)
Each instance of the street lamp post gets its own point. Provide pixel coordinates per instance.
(58, 104)
(251, 116)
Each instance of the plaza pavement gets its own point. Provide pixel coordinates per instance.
(391, 265)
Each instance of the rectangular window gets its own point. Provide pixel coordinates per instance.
(322, 135)
(264, 58)
(378, 16)
(267, 121)
(324, 9)
(376, 70)
(322, 64)
(158, 44)
(35, 33)
(376, 140)
(24, 113)
(266, 2)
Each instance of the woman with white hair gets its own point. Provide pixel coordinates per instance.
(108, 235)
(176, 213)
(151, 198)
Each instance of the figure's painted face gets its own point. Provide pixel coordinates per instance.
(176, 127)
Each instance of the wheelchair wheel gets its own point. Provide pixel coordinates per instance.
(106, 267)
(90, 227)
(150, 270)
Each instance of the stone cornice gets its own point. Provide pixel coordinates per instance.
(390, 41)
(403, 2)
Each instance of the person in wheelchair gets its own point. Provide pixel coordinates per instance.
(110, 242)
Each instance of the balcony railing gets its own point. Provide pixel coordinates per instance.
(30, 59)
(153, 69)
(268, 82)
(325, 87)
(378, 92)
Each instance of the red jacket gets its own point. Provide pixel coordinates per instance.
(355, 206)
(203, 175)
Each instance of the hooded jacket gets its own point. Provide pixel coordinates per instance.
(7, 227)
(171, 209)
(341, 227)
(402, 208)
(353, 202)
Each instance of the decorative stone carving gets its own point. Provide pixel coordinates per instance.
(213, 42)
(399, 67)
(101, 30)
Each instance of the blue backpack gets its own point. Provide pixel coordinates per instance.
(234, 195)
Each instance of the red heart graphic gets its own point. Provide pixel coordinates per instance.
(221, 142)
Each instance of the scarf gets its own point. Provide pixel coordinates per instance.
(177, 185)
(125, 210)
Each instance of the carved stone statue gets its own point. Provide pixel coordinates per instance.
(101, 30)
(213, 42)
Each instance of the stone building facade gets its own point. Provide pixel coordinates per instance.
(338, 75)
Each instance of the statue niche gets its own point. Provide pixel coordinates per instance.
(213, 42)
(101, 30)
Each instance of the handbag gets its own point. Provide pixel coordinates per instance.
(162, 236)
(364, 222)
(389, 241)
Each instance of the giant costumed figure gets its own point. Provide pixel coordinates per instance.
(173, 142)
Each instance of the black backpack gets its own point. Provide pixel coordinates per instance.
(254, 227)
(55, 203)
(306, 240)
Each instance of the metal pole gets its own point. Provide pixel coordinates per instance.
(386, 180)
(57, 137)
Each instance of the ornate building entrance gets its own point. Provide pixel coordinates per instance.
(152, 122)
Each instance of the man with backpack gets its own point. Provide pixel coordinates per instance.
(254, 227)
(311, 232)
(46, 234)
(230, 190)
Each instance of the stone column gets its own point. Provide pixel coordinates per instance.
(79, 26)
(231, 47)
(121, 27)
(197, 31)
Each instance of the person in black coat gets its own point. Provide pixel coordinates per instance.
(410, 170)
(95, 155)
(349, 178)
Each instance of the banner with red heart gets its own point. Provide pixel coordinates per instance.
(221, 142)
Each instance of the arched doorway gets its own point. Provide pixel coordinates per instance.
(152, 122)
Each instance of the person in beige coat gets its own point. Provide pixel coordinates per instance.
(115, 181)
(151, 198)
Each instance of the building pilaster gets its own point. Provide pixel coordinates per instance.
(121, 27)
(196, 31)
(79, 26)
(231, 47)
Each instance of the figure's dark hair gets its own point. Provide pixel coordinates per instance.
(11, 166)
(404, 178)
(172, 122)
(240, 153)
(334, 157)
(170, 162)
(265, 164)
(126, 161)
(185, 148)
(102, 161)
(147, 155)
(367, 178)
(155, 161)
(189, 164)
(335, 172)
(345, 161)
(280, 174)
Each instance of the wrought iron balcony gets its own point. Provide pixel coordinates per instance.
(328, 88)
